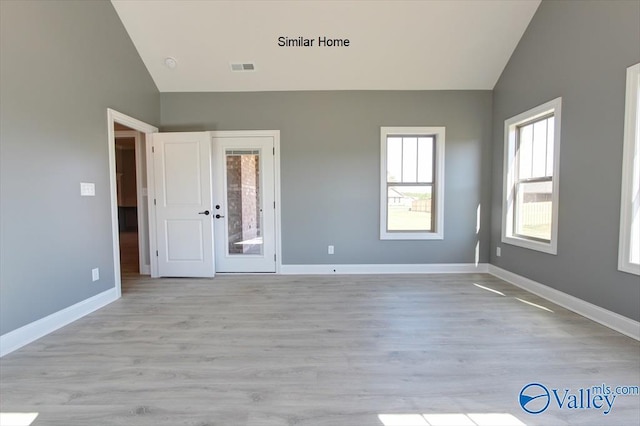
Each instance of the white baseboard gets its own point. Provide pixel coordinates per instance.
(24, 335)
(595, 313)
(145, 270)
(422, 268)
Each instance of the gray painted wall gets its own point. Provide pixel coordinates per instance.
(61, 65)
(580, 51)
(330, 166)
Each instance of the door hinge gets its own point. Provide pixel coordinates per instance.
(274, 151)
(156, 253)
(274, 257)
(154, 201)
(274, 204)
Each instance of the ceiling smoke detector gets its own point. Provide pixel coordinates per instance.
(170, 62)
(243, 67)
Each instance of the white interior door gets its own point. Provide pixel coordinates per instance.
(182, 167)
(244, 203)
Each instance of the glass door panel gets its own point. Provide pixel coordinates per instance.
(244, 203)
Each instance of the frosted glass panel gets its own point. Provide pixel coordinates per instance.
(244, 211)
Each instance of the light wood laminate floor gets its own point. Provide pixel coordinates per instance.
(317, 351)
(129, 263)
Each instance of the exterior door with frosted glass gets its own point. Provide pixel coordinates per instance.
(244, 204)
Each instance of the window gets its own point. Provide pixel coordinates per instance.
(530, 193)
(629, 252)
(412, 183)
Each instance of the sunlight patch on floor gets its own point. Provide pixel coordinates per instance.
(535, 305)
(450, 419)
(251, 242)
(402, 420)
(489, 289)
(17, 419)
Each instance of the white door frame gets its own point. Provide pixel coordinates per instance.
(275, 134)
(114, 117)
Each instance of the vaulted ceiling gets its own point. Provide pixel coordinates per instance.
(393, 45)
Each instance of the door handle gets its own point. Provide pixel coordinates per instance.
(218, 216)
(206, 212)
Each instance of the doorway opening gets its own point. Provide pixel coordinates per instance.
(127, 176)
(126, 143)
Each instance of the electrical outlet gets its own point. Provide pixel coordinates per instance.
(95, 274)
(498, 251)
(330, 250)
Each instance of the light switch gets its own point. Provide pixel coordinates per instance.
(87, 189)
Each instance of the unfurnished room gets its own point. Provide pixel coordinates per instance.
(320, 213)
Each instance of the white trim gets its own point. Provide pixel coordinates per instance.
(438, 190)
(588, 310)
(24, 335)
(630, 171)
(112, 118)
(130, 122)
(151, 208)
(421, 268)
(276, 165)
(510, 128)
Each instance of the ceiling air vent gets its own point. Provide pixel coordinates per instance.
(243, 67)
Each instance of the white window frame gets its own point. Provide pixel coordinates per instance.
(630, 202)
(438, 189)
(510, 140)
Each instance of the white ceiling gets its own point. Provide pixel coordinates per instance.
(394, 45)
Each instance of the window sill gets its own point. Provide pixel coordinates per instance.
(549, 248)
(630, 268)
(411, 236)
